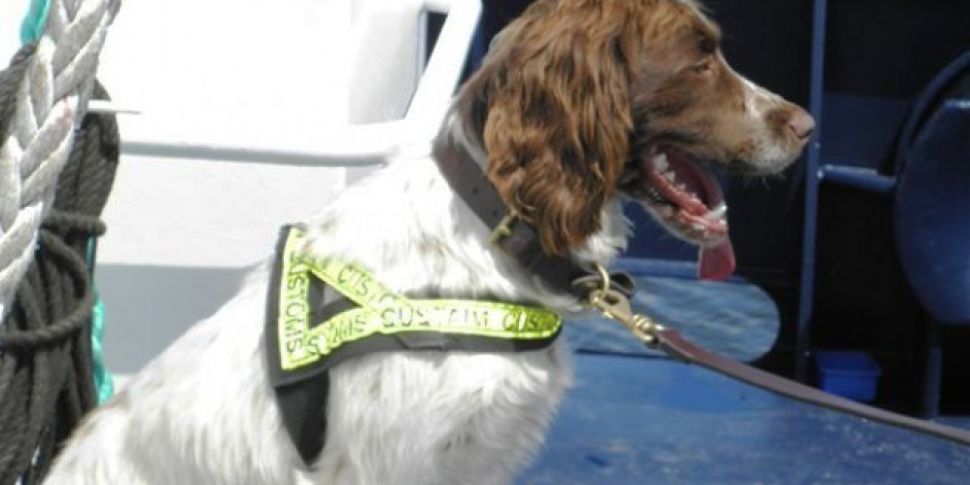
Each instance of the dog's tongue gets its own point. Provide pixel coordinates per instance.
(716, 262)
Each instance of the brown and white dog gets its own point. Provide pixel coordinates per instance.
(580, 105)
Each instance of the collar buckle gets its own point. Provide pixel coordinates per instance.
(503, 229)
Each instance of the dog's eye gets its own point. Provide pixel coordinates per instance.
(705, 66)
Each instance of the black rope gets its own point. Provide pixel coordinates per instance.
(46, 367)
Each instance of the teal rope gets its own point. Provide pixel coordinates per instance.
(33, 25)
(103, 382)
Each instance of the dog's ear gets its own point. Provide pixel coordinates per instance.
(551, 103)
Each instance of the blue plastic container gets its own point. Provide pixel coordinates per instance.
(854, 375)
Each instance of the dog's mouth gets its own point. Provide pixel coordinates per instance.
(687, 199)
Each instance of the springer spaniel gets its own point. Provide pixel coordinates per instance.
(580, 105)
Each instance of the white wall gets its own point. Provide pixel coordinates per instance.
(11, 13)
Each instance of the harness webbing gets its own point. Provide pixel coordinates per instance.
(323, 310)
(382, 311)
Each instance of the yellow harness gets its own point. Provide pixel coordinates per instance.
(305, 336)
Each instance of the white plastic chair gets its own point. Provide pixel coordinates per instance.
(358, 109)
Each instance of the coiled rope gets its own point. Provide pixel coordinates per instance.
(48, 213)
(52, 91)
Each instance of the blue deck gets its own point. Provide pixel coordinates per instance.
(641, 420)
(637, 417)
(731, 318)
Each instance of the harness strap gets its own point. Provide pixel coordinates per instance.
(323, 311)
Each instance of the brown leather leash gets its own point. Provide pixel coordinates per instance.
(609, 293)
(615, 305)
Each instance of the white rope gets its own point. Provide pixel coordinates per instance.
(51, 101)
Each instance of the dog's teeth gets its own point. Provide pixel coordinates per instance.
(670, 176)
(667, 211)
(660, 161)
(717, 212)
(698, 227)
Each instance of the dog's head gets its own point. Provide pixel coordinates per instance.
(582, 102)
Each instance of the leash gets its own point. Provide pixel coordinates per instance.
(616, 306)
(610, 293)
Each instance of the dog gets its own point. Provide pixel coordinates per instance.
(579, 106)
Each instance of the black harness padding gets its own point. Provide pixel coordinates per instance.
(303, 407)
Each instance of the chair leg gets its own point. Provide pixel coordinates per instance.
(932, 373)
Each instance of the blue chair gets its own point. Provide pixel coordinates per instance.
(933, 195)
(932, 211)
(930, 189)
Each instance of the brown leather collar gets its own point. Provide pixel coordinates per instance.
(511, 234)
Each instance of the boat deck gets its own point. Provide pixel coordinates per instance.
(642, 420)
(635, 416)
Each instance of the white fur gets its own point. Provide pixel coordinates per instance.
(771, 153)
(204, 413)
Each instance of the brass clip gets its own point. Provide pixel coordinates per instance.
(503, 229)
(615, 305)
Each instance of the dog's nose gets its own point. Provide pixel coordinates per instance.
(801, 124)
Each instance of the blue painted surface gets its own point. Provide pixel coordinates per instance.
(867, 179)
(859, 130)
(731, 318)
(641, 420)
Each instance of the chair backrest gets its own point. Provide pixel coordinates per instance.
(953, 81)
(933, 196)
